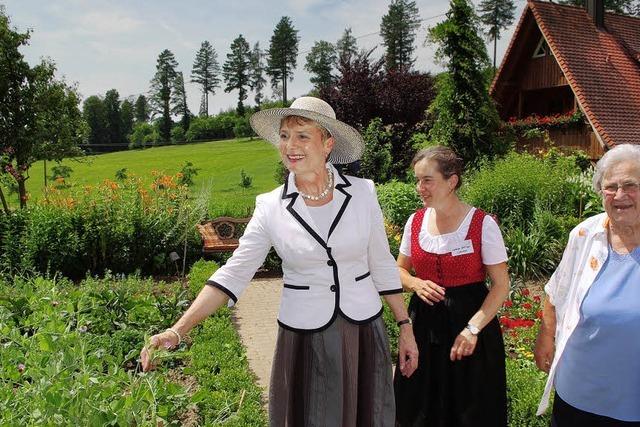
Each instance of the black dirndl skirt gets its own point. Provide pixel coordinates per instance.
(442, 393)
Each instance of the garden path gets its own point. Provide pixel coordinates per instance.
(255, 317)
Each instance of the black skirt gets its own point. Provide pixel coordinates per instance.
(442, 393)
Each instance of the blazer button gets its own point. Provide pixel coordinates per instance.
(331, 263)
(333, 288)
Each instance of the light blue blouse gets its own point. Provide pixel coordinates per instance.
(599, 371)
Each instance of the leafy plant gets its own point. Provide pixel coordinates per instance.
(398, 201)
(246, 181)
(187, 173)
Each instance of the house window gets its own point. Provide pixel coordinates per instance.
(542, 49)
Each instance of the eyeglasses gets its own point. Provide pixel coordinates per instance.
(629, 187)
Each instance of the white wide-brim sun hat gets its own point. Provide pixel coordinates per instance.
(348, 146)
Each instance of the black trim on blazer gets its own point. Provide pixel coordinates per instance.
(297, 287)
(223, 289)
(365, 321)
(340, 188)
(330, 322)
(390, 292)
(364, 276)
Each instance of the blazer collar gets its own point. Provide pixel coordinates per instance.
(300, 211)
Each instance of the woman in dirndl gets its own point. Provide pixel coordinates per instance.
(452, 248)
(332, 365)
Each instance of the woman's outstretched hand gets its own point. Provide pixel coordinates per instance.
(164, 341)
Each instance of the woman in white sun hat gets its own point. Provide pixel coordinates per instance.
(332, 365)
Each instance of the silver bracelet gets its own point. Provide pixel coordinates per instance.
(176, 334)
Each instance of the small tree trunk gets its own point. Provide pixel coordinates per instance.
(22, 191)
(4, 202)
(45, 174)
(495, 46)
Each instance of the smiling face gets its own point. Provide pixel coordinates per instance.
(623, 205)
(433, 188)
(304, 147)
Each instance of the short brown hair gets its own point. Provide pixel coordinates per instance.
(449, 163)
(299, 120)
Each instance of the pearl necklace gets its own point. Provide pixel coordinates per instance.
(324, 192)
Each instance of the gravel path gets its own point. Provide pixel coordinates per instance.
(255, 317)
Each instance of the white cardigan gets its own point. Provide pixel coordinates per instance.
(345, 274)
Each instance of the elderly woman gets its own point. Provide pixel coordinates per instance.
(332, 364)
(588, 341)
(452, 248)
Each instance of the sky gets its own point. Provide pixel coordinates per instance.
(105, 44)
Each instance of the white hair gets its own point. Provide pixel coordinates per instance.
(618, 154)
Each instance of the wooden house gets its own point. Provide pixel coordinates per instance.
(575, 72)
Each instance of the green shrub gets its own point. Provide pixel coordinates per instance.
(242, 127)
(143, 134)
(376, 158)
(213, 127)
(398, 201)
(511, 187)
(178, 134)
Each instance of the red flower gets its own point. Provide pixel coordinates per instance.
(508, 303)
(526, 306)
(539, 314)
(536, 298)
(525, 292)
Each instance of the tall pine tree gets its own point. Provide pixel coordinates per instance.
(161, 91)
(206, 73)
(256, 75)
(320, 63)
(398, 31)
(282, 55)
(496, 15)
(179, 105)
(346, 46)
(465, 116)
(236, 70)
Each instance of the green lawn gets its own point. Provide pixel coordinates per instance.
(220, 163)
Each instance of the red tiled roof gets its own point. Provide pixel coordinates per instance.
(602, 66)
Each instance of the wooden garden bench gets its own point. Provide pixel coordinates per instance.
(221, 234)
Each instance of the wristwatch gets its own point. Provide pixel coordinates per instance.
(404, 321)
(473, 329)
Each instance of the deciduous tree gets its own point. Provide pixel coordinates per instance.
(282, 55)
(141, 109)
(236, 70)
(126, 118)
(206, 73)
(39, 114)
(114, 120)
(94, 114)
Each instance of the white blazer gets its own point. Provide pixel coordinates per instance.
(344, 274)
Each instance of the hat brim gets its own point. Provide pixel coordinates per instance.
(348, 146)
